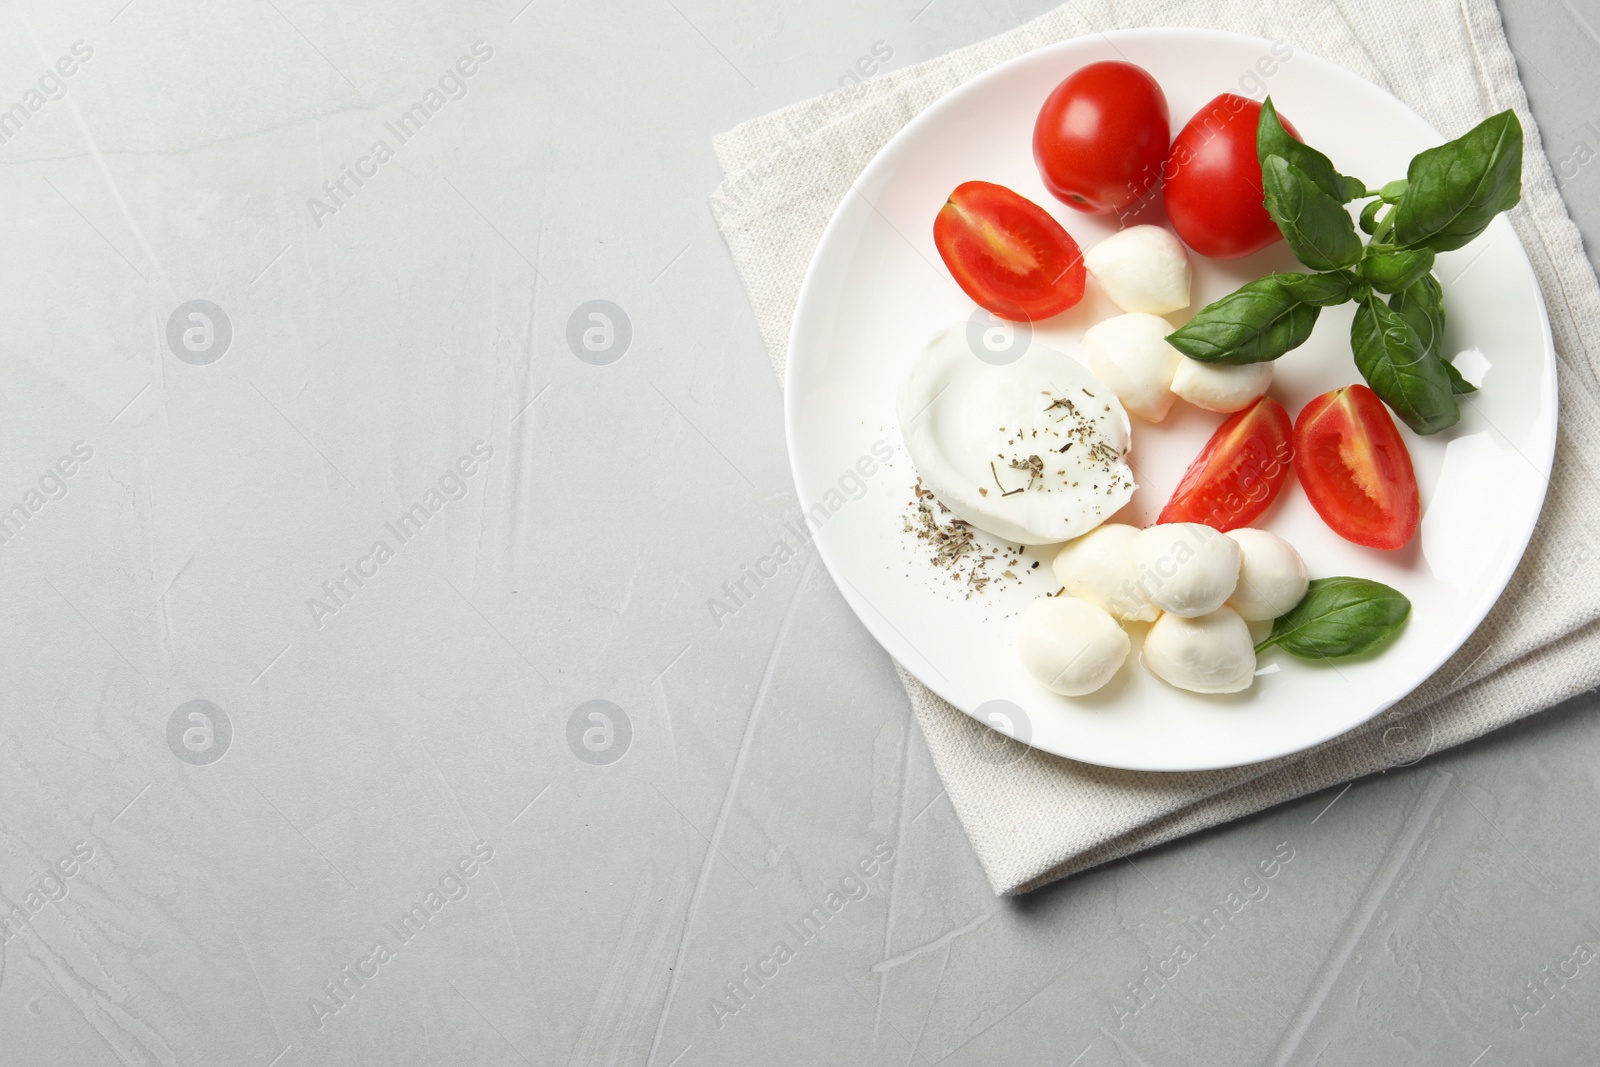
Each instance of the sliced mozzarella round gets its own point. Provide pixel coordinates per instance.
(1188, 569)
(1098, 567)
(1272, 579)
(1130, 353)
(1030, 451)
(1208, 654)
(1072, 646)
(1142, 268)
(1220, 387)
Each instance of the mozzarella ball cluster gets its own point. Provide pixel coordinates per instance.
(1145, 272)
(1199, 588)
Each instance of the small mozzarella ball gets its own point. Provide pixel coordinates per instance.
(1098, 567)
(1273, 578)
(1209, 654)
(1131, 355)
(1072, 646)
(1142, 268)
(1188, 569)
(1220, 387)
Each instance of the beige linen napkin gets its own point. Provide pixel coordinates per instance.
(1042, 817)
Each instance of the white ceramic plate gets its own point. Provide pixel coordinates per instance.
(876, 291)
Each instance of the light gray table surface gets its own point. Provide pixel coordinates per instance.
(403, 756)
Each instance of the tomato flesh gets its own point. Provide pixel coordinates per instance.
(1007, 253)
(1101, 137)
(1213, 181)
(1356, 469)
(1240, 471)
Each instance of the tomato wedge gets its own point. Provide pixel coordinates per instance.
(1356, 469)
(1240, 471)
(1007, 253)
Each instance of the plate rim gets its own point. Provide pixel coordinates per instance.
(868, 615)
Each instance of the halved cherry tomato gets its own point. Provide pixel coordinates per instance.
(1007, 253)
(1102, 136)
(1240, 471)
(1213, 181)
(1356, 469)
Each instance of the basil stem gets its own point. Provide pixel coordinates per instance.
(1273, 140)
(1260, 321)
(1316, 225)
(1339, 617)
(1455, 190)
(1401, 369)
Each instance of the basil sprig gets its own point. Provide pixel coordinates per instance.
(1339, 617)
(1448, 197)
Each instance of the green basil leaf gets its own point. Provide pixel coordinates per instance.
(1390, 271)
(1455, 190)
(1339, 617)
(1369, 217)
(1421, 304)
(1316, 225)
(1320, 290)
(1273, 140)
(1458, 384)
(1401, 370)
(1257, 322)
(1391, 193)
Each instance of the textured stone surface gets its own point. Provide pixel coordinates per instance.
(435, 718)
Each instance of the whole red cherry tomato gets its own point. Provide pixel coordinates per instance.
(1101, 137)
(1213, 181)
(1356, 470)
(1007, 253)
